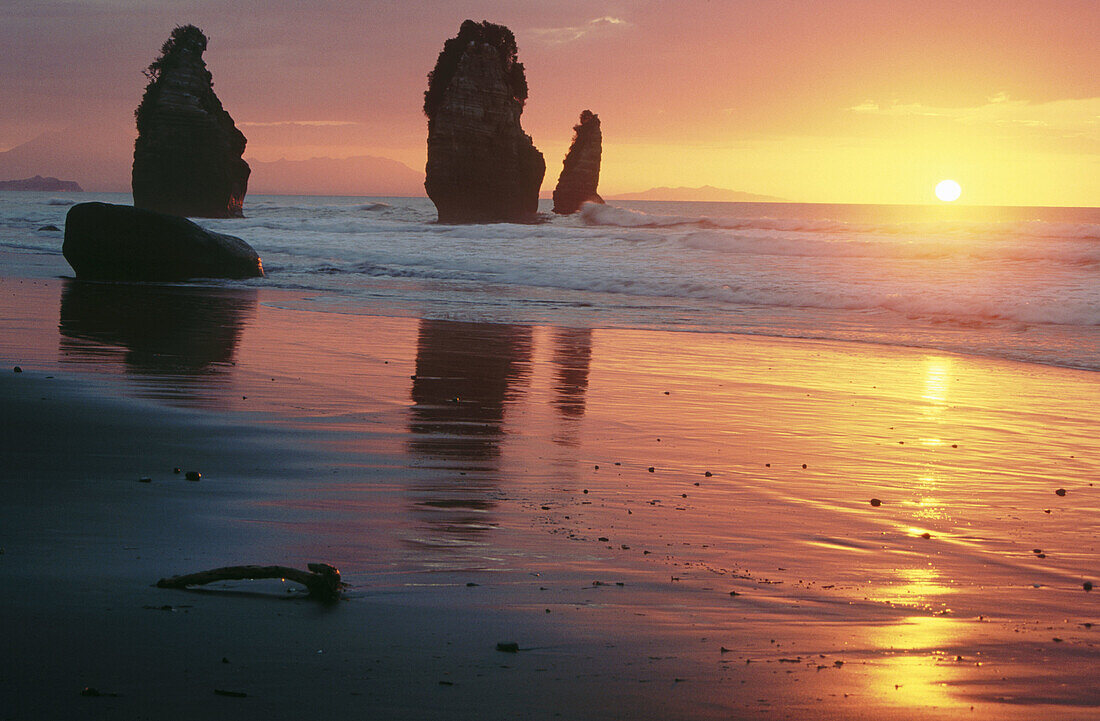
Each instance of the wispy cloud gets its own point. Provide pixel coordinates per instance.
(299, 123)
(557, 36)
(1080, 115)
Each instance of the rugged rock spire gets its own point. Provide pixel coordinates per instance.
(581, 172)
(481, 167)
(187, 158)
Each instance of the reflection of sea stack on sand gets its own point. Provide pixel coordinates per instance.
(187, 158)
(481, 166)
(580, 174)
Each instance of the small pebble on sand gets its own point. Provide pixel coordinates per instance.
(1061, 492)
(651, 469)
(1087, 585)
(145, 479)
(192, 475)
(17, 369)
(876, 502)
(926, 535)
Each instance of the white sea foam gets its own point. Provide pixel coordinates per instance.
(1022, 287)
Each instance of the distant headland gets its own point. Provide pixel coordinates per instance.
(46, 185)
(706, 193)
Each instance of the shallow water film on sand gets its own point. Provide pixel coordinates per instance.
(495, 449)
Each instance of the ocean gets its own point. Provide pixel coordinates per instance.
(1012, 283)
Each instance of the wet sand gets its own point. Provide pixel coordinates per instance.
(669, 525)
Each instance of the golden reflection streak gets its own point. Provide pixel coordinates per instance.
(937, 379)
(914, 587)
(921, 671)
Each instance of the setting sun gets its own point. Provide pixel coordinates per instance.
(948, 190)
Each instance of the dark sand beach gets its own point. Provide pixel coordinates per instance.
(668, 525)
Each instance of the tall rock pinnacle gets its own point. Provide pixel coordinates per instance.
(481, 166)
(580, 173)
(187, 157)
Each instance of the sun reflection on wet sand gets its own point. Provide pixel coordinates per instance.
(727, 485)
(916, 669)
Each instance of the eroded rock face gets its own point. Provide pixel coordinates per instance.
(118, 242)
(581, 172)
(481, 166)
(187, 157)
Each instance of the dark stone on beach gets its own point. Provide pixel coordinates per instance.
(1061, 492)
(926, 535)
(651, 469)
(1087, 585)
(708, 474)
(230, 694)
(92, 692)
(188, 154)
(16, 369)
(145, 479)
(508, 647)
(175, 470)
(49, 228)
(580, 173)
(193, 475)
(603, 539)
(803, 465)
(481, 166)
(876, 502)
(118, 242)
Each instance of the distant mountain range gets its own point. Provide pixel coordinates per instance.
(706, 193)
(104, 165)
(49, 185)
(99, 165)
(360, 175)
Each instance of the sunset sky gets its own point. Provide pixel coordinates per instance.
(867, 101)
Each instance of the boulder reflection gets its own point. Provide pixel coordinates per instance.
(467, 374)
(177, 339)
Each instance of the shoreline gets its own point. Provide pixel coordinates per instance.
(421, 456)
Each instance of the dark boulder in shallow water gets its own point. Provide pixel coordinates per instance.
(118, 242)
(481, 166)
(187, 158)
(580, 173)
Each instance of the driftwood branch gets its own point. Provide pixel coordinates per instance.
(322, 580)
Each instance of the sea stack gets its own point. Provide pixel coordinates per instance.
(481, 166)
(187, 157)
(581, 172)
